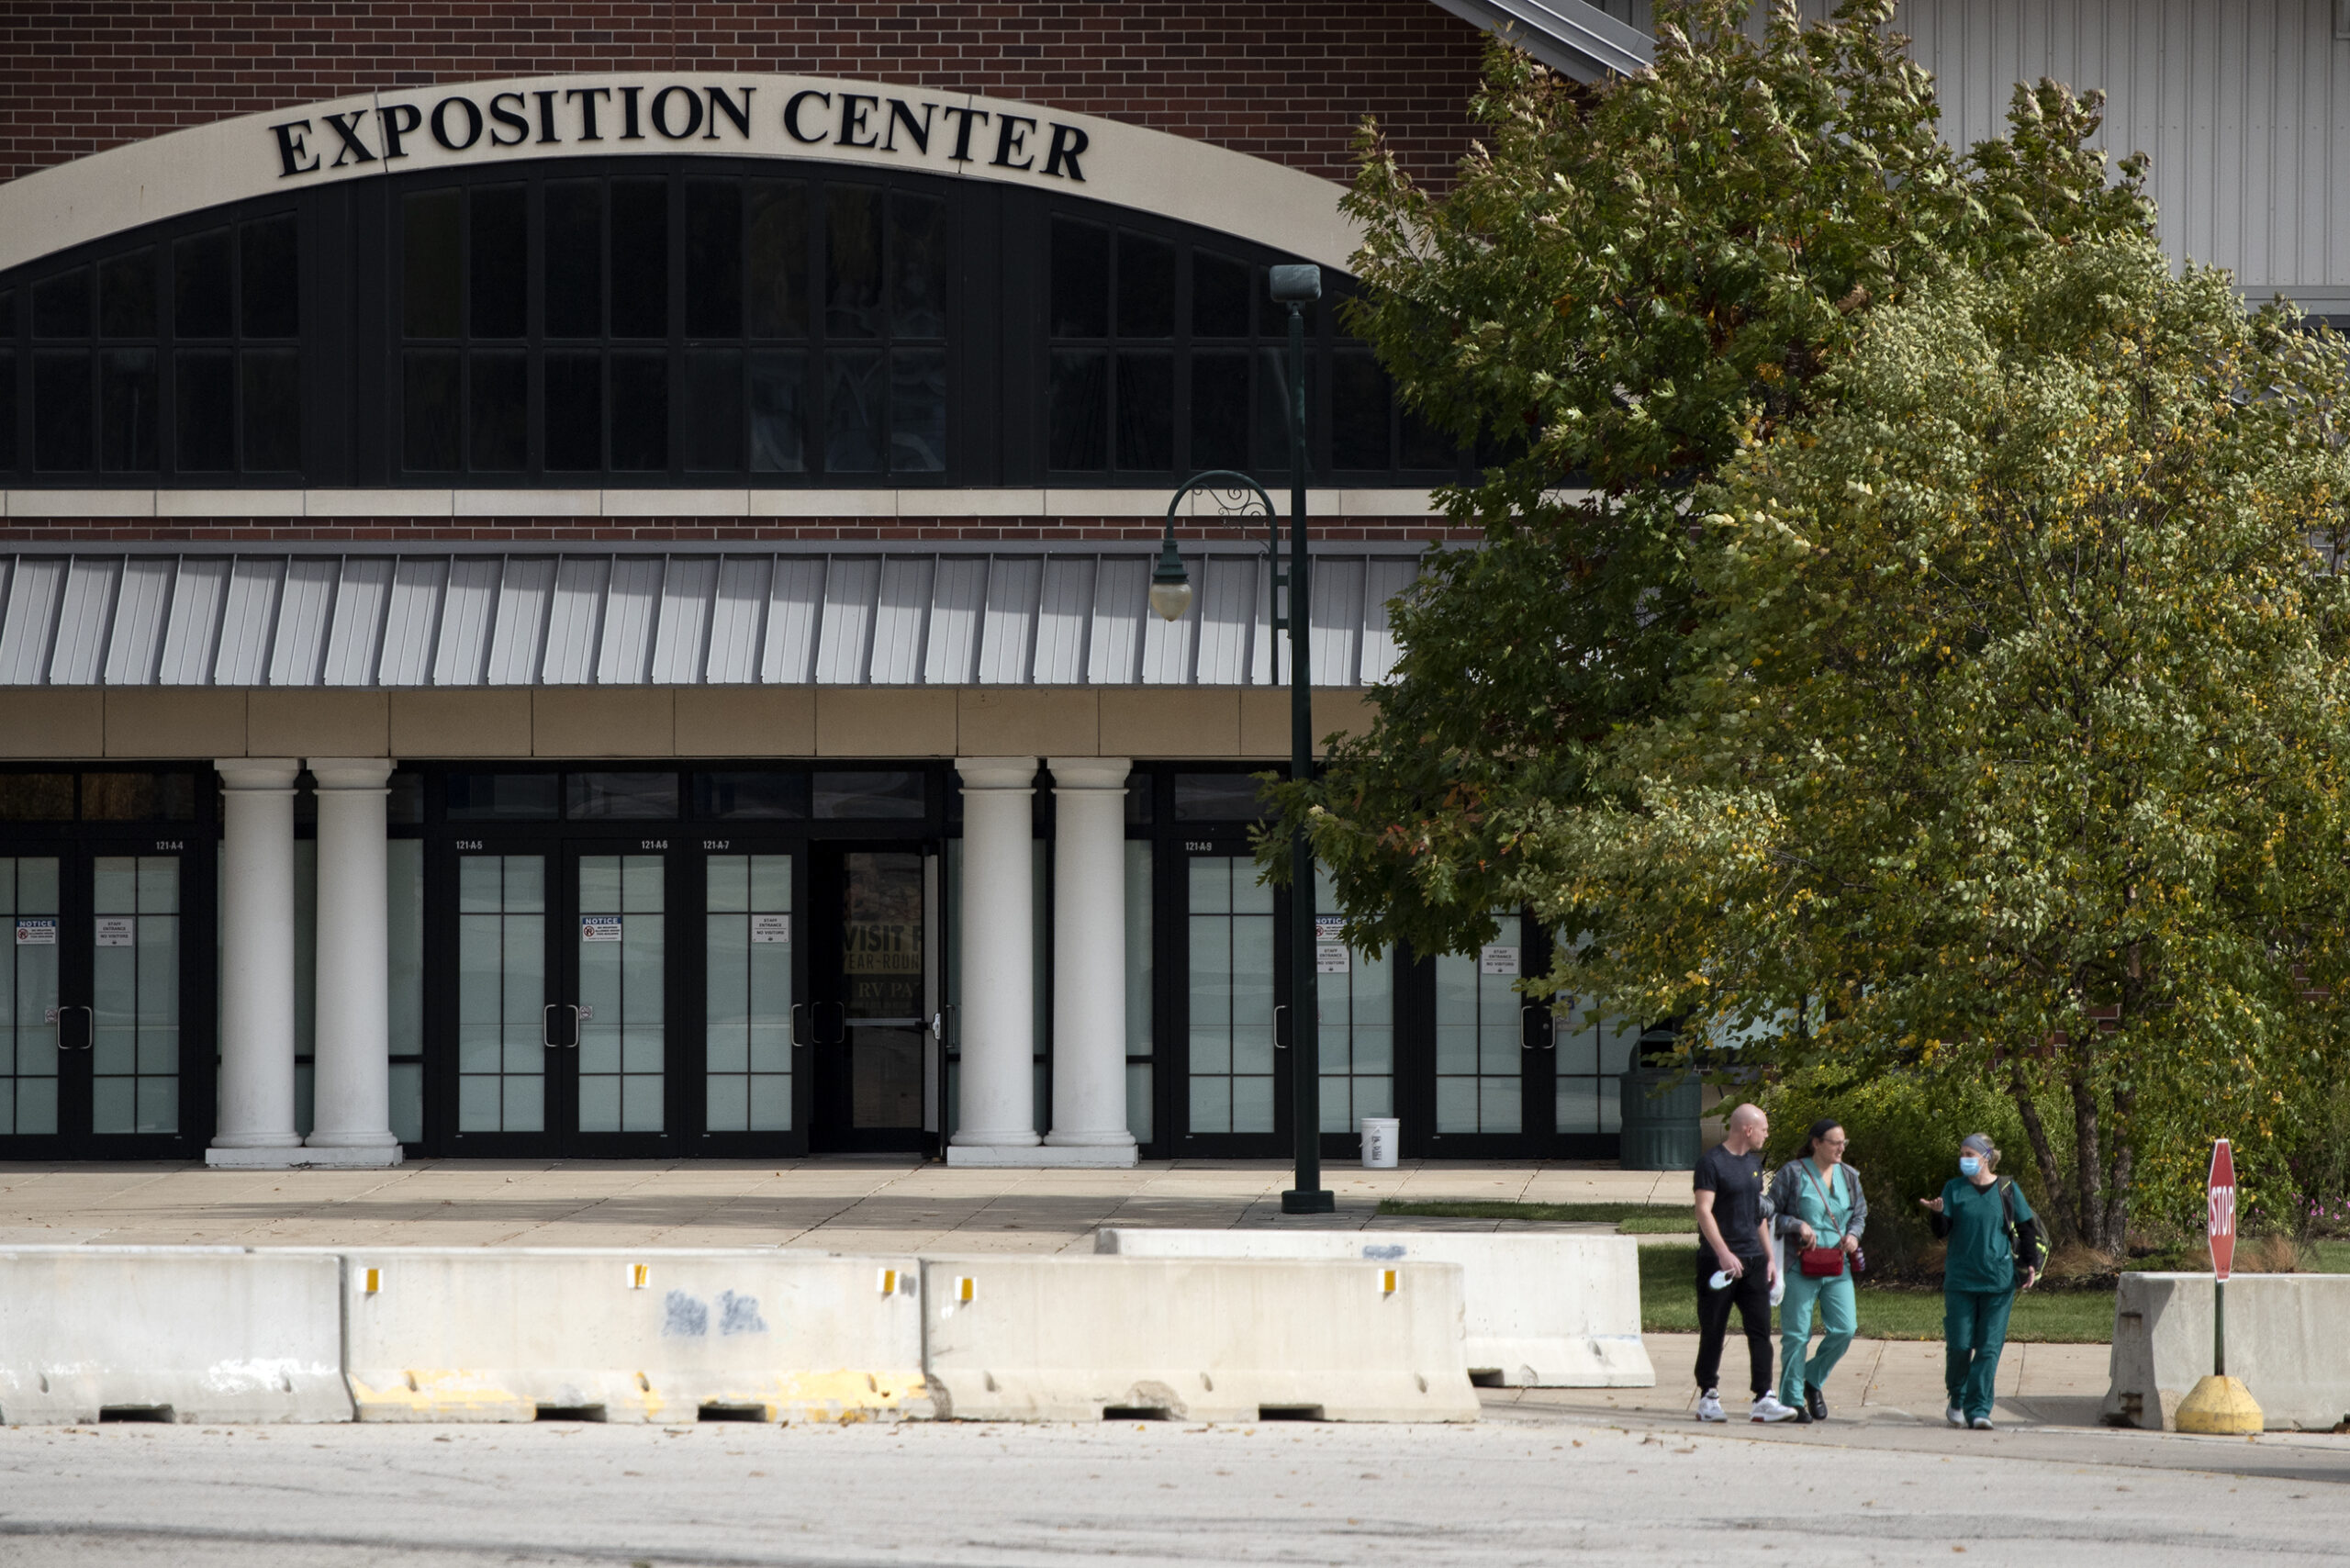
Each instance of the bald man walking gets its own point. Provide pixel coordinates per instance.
(1734, 1223)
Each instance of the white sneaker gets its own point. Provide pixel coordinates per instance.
(1954, 1415)
(1982, 1424)
(1710, 1407)
(1768, 1409)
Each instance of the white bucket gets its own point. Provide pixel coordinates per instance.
(1380, 1136)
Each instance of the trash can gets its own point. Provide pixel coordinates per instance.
(1659, 1122)
(1380, 1136)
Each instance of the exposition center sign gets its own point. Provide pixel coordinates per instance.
(770, 117)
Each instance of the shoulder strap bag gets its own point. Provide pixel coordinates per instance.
(1820, 1262)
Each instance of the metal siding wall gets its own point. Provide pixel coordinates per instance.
(2237, 104)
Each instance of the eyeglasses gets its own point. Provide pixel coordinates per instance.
(1835, 1142)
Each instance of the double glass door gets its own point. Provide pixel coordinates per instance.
(97, 1060)
(560, 1010)
(655, 996)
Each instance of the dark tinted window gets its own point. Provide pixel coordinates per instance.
(1080, 279)
(404, 802)
(860, 796)
(474, 797)
(640, 258)
(270, 276)
(204, 408)
(588, 796)
(1220, 297)
(499, 261)
(272, 424)
(1146, 286)
(1139, 799)
(778, 258)
(62, 305)
(429, 273)
(36, 797)
(574, 267)
(713, 258)
(129, 411)
(200, 285)
(1216, 797)
(62, 424)
(138, 797)
(127, 296)
(723, 796)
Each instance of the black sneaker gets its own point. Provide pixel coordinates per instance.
(1815, 1403)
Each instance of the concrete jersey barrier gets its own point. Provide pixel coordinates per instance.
(1062, 1339)
(1545, 1310)
(510, 1335)
(169, 1333)
(2285, 1341)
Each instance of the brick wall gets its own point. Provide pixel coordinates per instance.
(1287, 82)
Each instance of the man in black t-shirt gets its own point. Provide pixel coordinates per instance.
(1736, 1242)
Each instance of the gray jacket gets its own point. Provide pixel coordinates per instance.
(1787, 1184)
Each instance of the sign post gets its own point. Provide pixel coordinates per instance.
(2219, 1404)
(2220, 1225)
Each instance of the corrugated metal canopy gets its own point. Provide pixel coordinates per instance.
(848, 619)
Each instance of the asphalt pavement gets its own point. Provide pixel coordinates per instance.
(1523, 1486)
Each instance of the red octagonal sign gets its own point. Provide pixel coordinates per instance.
(2222, 1210)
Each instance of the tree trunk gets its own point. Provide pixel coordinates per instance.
(2089, 1157)
(2044, 1154)
(2117, 1187)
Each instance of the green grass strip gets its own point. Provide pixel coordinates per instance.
(1669, 1306)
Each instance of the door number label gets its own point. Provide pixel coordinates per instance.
(35, 932)
(116, 931)
(599, 928)
(771, 928)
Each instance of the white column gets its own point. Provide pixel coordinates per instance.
(254, 1125)
(1090, 961)
(997, 1092)
(352, 1123)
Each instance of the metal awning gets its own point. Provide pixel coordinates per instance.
(846, 619)
(1571, 37)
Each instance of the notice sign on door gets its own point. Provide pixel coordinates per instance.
(1498, 959)
(599, 928)
(1330, 956)
(115, 931)
(774, 928)
(35, 932)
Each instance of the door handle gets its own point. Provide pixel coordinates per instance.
(1525, 1043)
(840, 1021)
(799, 1041)
(67, 1034)
(547, 1029)
(1279, 1010)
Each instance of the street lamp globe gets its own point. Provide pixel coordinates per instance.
(1171, 584)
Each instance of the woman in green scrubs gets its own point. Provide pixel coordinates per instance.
(1979, 1278)
(1816, 1202)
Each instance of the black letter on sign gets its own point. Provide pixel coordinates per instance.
(588, 96)
(661, 113)
(395, 126)
(628, 115)
(546, 115)
(291, 150)
(1068, 142)
(791, 117)
(1008, 134)
(440, 123)
(511, 118)
(855, 107)
(720, 104)
(352, 150)
(964, 119)
(917, 132)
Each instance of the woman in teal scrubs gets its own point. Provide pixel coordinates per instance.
(1979, 1278)
(1816, 1202)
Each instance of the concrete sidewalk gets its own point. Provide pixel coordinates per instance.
(838, 1203)
(1879, 1382)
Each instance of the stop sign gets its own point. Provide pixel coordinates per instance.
(2222, 1206)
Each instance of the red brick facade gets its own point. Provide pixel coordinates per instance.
(1284, 81)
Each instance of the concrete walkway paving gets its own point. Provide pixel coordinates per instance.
(837, 1203)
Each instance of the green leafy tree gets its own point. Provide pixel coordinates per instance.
(1626, 283)
(2014, 742)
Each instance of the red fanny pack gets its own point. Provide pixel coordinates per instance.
(1820, 1262)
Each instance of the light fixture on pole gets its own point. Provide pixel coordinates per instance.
(1171, 595)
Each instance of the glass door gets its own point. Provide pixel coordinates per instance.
(562, 1001)
(1234, 1095)
(867, 1023)
(1492, 1052)
(93, 998)
(754, 1040)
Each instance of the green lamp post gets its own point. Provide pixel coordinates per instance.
(1170, 597)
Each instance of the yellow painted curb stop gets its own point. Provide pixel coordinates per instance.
(2220, 1406)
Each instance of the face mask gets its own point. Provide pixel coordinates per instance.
(1968, 1165)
